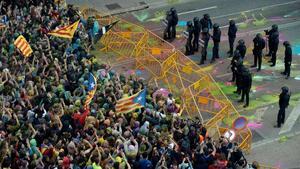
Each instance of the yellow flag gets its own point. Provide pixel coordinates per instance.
(22, 44)
(66, 32)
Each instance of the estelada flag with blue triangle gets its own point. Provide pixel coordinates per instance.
(65, 32)
(92, 87)
(129, 104)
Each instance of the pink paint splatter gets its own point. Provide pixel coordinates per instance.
(255, 125)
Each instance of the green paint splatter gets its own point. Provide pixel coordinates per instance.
(142, 16)
(243, 25)
(283, 139)
(158, 16)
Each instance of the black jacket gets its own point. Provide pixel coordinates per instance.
(242, 49)
(216, 35)
(273, 37)
(284, 99)
(246, 80)
(205, 37)
(259, 44)
(174, 19)
(197, 27)
(206, 23)
(190, 30)
(288, 54)
(232, 31)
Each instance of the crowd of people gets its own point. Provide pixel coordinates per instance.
(44, 123)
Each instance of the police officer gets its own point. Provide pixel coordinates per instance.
(235, 59)
(287, 59)
(242, 48)
(273, 43)
(216, 39)
(205, 38)
(206, 22)
(188, 46)
(197, 30)
(259, 45)
(284, 99)
(231, 36)
(174, 22)
(167, 32)
(246, 83)
(239, 70)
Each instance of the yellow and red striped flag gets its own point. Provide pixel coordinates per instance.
(22, 44)
(65, 32)
(128, 104)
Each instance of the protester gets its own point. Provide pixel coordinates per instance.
(46, 124)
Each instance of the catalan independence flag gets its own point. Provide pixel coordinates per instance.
(65, 32)
(22, 44)
(128, 104)
(92, 87)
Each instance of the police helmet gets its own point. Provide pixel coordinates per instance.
(231, 22)
(286, 43)
(189, 23)
(285, 89)
(241, 42)
(259, 35)
(173, 10)
(196, 19)
(216, 26)
(275, 27)
(206, 16)
(205, 30)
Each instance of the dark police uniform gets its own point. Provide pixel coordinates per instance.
(174, 22)
(246, 86)
(167, 32)
(241, 47)
(259, 45)
(216, 39)
(206, 22)
(235, 59)
(231, 36)
(197, 30)
(205, 37)
(273, 43)
(284, 99)
(287, 59)
(188, 46)
(239, 70)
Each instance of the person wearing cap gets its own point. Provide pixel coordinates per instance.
(284, 99)
(231, 36)
(174, 22)
(197, 30)
(206, 22)
(216, 39)
(242, 48)
(205, 37)
(273, 36)
(287, 59)
(259, 45)
(188, 46)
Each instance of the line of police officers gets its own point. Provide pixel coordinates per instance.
(240, 74)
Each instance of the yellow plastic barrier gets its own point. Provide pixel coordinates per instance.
(171, 69)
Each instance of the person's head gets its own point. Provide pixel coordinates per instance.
(206, 16)
(189, 24)
(231, 22)
(259, 35)
(275, 27)
(173, 10)
(216, 26)
(196, 19)
(286, 43)
(285, 89)
(241, 42)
